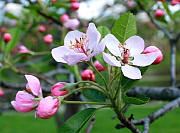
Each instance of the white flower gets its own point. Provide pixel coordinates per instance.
(127, 55)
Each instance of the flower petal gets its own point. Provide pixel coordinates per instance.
(72, 24)
(59, 52)
(73, 58)
(144, 59)
(112, 43)
(98, 49)
(71, 36)
(111, 60)
(23, 97)
(93, 36)
(23, 108)
(34, 85)
(131, 72)
(135, 44)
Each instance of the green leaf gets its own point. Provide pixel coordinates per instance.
(15, 32)
(77, 121)
(11, 16)
(176, 15)
(104, 31)
(127, 83)
(99, 79)
(140, 99)
(125, 27)
(94, 95)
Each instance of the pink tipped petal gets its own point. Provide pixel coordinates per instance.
(74, 58)
(144, 59)
(34, 85)
(22, 97)
(112, 44)
(59, 52)
(135, 44)
(131, 72)
(111, 60)
(93, 36)
(70, 37)
(20, 108)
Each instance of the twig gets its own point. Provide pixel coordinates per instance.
(47, 16)
(173, 63)
(170, 37)
(154, 116)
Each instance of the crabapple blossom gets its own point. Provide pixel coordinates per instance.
(99, 66)
(159, 13)
(56, 89)
(71, 24)
(42, 28)
(151, 49)
(24, 101)
(64, 18)
(48, 39)
(75, 6)
(79, 46)
(127, 55)
(47, 107)
(88, 75)
(7, 37)
(1, 92)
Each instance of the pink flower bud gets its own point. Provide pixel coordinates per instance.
(159, 13)
(1, 92)
(56, 89)
(53, 1)
(47, 107)
(98, 66)
(151, 49)
(22, 49)
(130, 4)
(73, 1)
(24, 102)
(7, 37)
(88, 75)
(48, 39)
(41, 28)
(75, 6)
(174, 2)
(64, 18)
(3, 29)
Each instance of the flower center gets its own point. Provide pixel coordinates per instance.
(125, 53)
(80, 44)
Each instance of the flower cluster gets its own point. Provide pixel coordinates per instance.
(32, 99)
(80, 47)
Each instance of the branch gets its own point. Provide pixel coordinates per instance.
(47, 16)
(169, 36)
(154, 116)
(155, 93)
